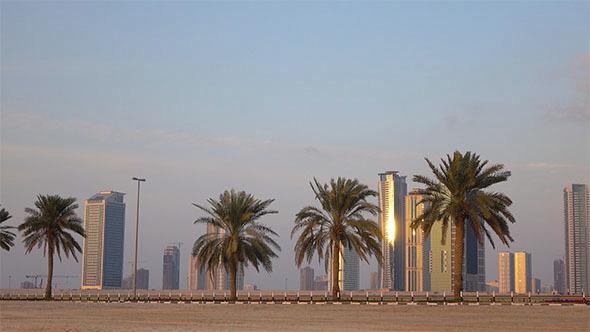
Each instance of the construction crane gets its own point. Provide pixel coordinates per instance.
(36, 276)
(178, 243)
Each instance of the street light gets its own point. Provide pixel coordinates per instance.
(136, 231)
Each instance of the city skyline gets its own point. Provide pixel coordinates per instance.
(263, 97)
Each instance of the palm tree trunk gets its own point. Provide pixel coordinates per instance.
(458, 258)
(49, 272)
(335, 270)
(233, 272)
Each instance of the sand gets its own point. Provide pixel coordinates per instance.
(65, 316)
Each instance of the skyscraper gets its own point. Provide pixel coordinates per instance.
(559, 276)
(220, 279)
(196, 276)
(523, 276)
(306, 278)
(104, 223)
(440, 264)
(392, 193)
(505, 272)
(171, 271)
(414, 245)
(348, 275)
(536, 286)
(576, 211)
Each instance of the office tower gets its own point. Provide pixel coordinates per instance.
(576, 211)
(374, 280)
(171, 271)
(546, 289)
(348, 274)
(439, 265)
(559, 276)
(414, 245)
(523, 282)
(220, 279)
(320, 283)
(392, 193)
(505, 272)
(536, 285)
(196, 276)
(104, 224)
(306, 278)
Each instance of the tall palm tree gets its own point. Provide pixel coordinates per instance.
(339, 223)
(458, 195)
(48, 225)
(6, 236)
(240, 239)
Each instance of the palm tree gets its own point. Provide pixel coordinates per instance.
(457, 194)
(339, 223)
(6, 236)
(48, 226)
(240, 239)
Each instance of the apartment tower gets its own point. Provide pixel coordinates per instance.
(104, 223)
(505, 272)
(576, 207)
(523, 273)
(414, 245)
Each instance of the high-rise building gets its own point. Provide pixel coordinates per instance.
(414, 245)
(536, 285)
(220, 279)
(196, 276)
(143, 280)
(104, 224)
(171, 270)
(392, 193)
(576, 207)
(523, 280)
(492, 286)
(439, 263)
(306, 278)
(348, 274)
(505, 272)
(559, 276)
(374, 280)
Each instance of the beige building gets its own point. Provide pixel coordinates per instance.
(505, 272)
(196, 276)
(523, 282)
(414, 245)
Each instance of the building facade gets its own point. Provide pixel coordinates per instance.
(536, 285)
(505, 272)
(392, 192)
(219, 278)
(196, 276)
(523, 272)
(374, 280)
(576, 206)
(306, 278)
(104, 224)
(349, 269)
(414, 259)
(559, 276)
(171, 268)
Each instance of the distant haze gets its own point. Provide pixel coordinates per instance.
(203, 97)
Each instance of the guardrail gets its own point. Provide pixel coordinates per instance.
(346, 297)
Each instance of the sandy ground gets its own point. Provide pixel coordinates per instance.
(46, 316)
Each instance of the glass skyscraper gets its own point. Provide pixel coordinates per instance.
(104, 223)
(505, 272)
(348, 274)
(171, 268)
(392, 194)
(414, 239)
(576, 211)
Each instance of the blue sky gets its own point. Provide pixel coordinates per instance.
(203, 97)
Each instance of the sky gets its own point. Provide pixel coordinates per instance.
(202, 97)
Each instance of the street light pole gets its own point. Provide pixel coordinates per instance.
(136, 235)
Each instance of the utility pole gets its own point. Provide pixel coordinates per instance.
(9, 277)
(136, 234)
